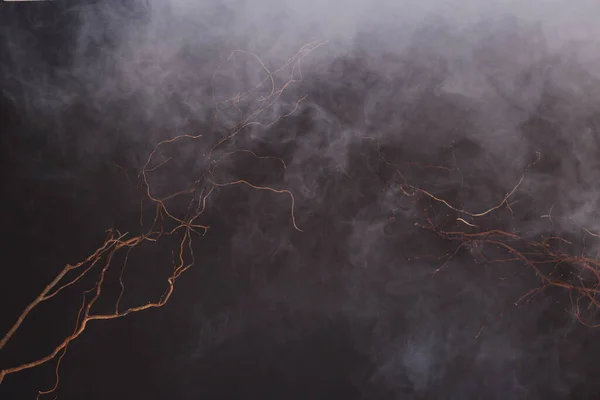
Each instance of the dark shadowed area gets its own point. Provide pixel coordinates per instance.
(342, 266)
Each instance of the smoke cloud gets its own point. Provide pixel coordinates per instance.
(465, 100)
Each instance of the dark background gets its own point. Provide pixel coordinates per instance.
(348, 308)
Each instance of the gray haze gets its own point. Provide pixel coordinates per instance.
(481, 87)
